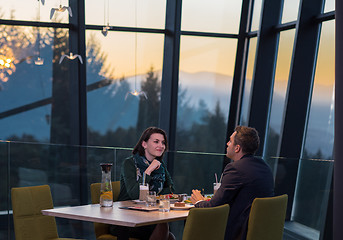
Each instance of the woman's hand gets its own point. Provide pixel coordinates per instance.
(196, 196)
(155, 164)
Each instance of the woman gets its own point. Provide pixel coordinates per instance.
(146, 160)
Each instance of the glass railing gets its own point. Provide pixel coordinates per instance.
(69, 171)
(312, 180)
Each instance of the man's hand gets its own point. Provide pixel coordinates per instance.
(196, 196)
(155, 164)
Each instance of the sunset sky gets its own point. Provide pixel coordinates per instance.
(197, 53)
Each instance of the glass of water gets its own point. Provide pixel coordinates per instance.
(151, 198)
(164, 205)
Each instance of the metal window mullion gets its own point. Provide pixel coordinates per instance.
(239, 72)
(264, 69)
(170, 76)
(298, 97)
(77, 45)
(78, 104)
(338, 134)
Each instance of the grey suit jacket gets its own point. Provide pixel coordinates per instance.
(242, 182)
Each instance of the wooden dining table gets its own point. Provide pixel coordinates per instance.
(117, 215)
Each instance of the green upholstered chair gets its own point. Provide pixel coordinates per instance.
(29, 223)
(95, 191)
(206, 223)
(267, 218)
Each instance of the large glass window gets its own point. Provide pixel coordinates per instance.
(31, 80)
(205, 79)
(117, 66)
(126, 13)
(21, 47)
(248, 81)
(316, 165)
(290, 10)
(279, 94)
(319, 135)
(329, 5)
(256, 15)
(28, 126)
(205, 16)
(33, 10)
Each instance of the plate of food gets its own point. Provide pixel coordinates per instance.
(172, 197)
(181, 206)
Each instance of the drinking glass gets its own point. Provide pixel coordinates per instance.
(106, 194)
(215, 187)
(151, 199)
(164, 205)
(143, 191)
(182, 197)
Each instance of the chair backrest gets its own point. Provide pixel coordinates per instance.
(102, 230)
(29, 223)
(267, 218)
(95, 191)
(206, 223)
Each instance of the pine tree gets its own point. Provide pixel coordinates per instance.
(148, 113)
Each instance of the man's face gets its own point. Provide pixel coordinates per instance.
(230, 150)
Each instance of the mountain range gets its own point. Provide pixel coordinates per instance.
(113, 106)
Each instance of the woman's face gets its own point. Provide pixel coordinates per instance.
(154, 147)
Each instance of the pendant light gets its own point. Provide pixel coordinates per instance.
(60, 9)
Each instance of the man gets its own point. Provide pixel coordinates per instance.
(244, 179)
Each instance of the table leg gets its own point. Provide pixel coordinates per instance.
(123, 233)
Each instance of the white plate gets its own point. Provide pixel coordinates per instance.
(172, 200)
(138, 201)
(186, 207)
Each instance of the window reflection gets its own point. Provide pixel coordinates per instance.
(29, 89)
(28, 126)
(20, 48)
(4, 154)
(205, 80)
(196, 171)
(248, 80)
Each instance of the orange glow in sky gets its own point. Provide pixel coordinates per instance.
(196, 54)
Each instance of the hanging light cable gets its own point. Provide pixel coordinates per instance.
(135, 92)
(106, 27)
(38, 61)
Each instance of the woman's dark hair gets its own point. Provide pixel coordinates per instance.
(145, 137)
(247, 138)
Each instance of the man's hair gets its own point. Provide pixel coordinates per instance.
(247, 138)
(145, 137)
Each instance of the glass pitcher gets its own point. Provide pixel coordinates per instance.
(106, 194)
